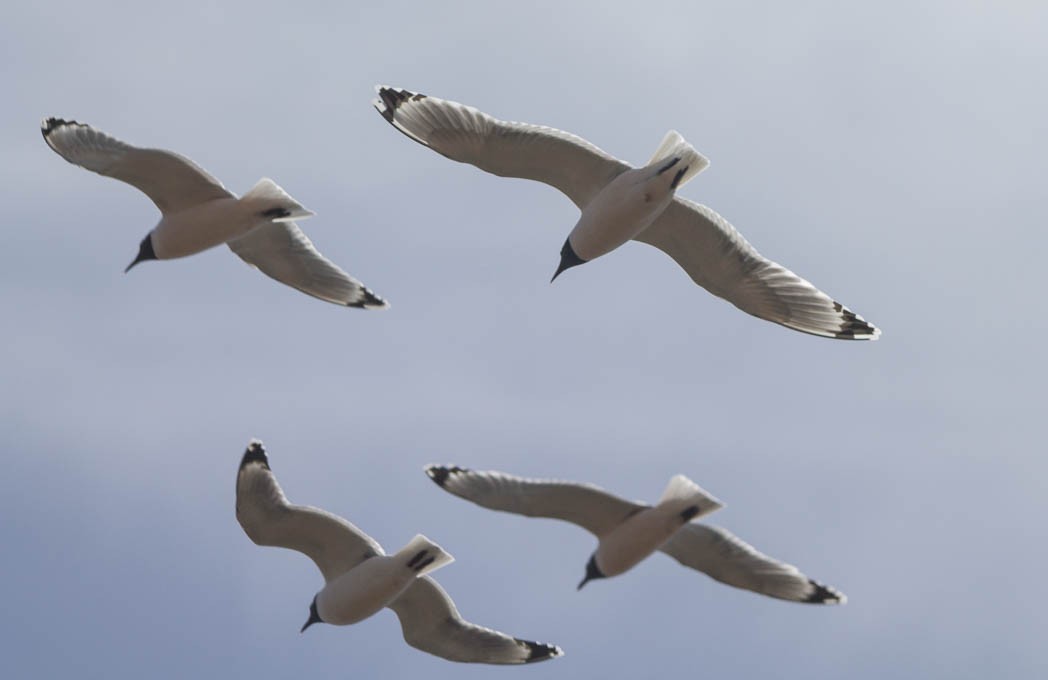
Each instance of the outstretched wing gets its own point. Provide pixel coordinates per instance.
(719, 259)
(335, 545)
(281, 251)
(462, 133)
(728, 559)
(173, 182)
(431, 623)
(586, 505)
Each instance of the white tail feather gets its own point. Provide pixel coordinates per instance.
(684, 492)
(673, 145)
(267, 195)
(422, 555)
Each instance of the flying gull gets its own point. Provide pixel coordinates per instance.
(360, 579)
(628, 532)
(198, 213)
(620, 203)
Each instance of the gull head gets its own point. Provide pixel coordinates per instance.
(145, 252)
(314, 616)
(568, 259)
(592, 572)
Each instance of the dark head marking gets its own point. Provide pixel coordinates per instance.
(568, 259)
(314, 616)
(274, 213)
(538, 651)
(592, 571)
(440, 473)
(255, 453)
(689, 512)
(145, 252)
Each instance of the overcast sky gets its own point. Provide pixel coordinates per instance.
(892, 153)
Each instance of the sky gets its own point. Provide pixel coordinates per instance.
(892, 153)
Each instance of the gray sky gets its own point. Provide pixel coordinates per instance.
(892, 153)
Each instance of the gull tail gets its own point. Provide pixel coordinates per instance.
(691, 161)
(422, 555)
(692, 500)
(269, 200)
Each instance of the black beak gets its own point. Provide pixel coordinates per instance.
(314, 617)
(568, 259)
(145, 252)
(584, 581)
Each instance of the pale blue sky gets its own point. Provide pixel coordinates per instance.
(892, 153)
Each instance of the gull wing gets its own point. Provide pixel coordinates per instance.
(588, 506)
(462, 133)
(432, 624)
(281, 251)
(335, 545)
(171, 181)
(719, 259)
(726, 558)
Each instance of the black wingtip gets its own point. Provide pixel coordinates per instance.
(255, 453)
(538, 651)
(824, 594)
(440, 473)
(853, 326)
(392, 99)
(49, 125)
(369, 301)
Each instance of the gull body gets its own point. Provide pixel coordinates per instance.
(630, 202)
(376, 582)
(641, 534)
(199, 227)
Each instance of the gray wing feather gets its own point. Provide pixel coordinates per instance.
(462, 133)
(171, 181)
(335, 545)
(281, 251)
(723, 556)
(719, 259)
(586, 505)
(431, 623)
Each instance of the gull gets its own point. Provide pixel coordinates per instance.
(628, 532)
(360, 579)
(621, 203)
(198, 213)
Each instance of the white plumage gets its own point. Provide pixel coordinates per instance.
(620, 203)
(625, 529)
(360, 578)
(198, 213)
